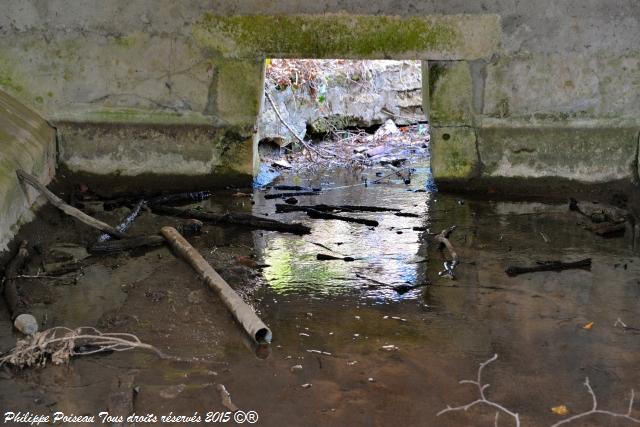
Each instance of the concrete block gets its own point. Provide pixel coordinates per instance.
(454, 156)
(27, 142)
(585, 154)
(450, 90)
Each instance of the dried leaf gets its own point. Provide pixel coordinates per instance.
(588, 326)
(560, 410)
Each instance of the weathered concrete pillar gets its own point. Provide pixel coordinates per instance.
(27, 142)
(237, 95)
(449, 89)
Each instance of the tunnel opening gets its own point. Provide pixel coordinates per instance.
(324, 113)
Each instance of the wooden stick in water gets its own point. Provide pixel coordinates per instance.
(69, 210)
(240, 310)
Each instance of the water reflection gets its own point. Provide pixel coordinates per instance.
(385, 256)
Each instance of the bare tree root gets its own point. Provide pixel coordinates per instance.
(449, 266)
(594, 409)
(482, 400)
(59, 344)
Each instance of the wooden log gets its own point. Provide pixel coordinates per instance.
(324, 215)
(126, 223)
(69, 210)
(407, 214)
(295, 193)
(240, 310)
(163, 199)
(14, 303)
(330, 208)
(295, 188)
(191, 228)
(232, 218)
(324, 257)
(548, 266)
(115, 246)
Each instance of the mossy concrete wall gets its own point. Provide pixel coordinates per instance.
(26, 142)
(571, 66)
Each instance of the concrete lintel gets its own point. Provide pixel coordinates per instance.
(446, 37)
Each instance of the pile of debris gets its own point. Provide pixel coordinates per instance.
(389, 145)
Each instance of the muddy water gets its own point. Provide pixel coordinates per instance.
(378, 357)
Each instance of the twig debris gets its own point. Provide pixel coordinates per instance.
(449, 266)
(594, 409)
(482, 400)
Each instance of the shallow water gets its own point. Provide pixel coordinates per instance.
(346, 313)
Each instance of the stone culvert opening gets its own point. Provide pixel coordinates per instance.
(346, 112)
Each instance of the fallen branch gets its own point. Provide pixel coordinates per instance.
(324, 215)
(395, 172)
(324, 257)
(594, 409)
(192, 228)
(302, 141)
(60, 344)
(482, 400)
(330, 208)
(69, 210)
(548, 266)
(294, 188)
(449, 266)
(14, 303)
(163, 199)
(233, 219)
(126, 222)
(405, 287)
(240, 310)
(408, 215)
(297, 193)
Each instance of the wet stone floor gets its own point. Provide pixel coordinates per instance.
(369, 354)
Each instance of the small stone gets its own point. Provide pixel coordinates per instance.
(357, 317)
(371, 380)
(302, 334)
(306, 385)
(352, 362)
(389, 347)
(295, 368)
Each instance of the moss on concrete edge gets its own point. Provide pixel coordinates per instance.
(352, 36)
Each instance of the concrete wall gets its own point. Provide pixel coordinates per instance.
(516, 89)
(26, 142)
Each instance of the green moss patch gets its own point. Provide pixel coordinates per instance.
(359, 36)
